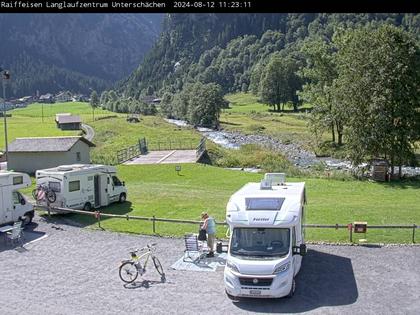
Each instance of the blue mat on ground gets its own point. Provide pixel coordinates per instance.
(204, 264)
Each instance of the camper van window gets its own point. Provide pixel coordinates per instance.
(116, 181)
(16, 198)
(264, 203)
(54, 186)
(74, 185)
(294, 237)
(17, 180)
(78, 158)
(260, 242)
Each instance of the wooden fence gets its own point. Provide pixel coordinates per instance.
(201, 148)
(133, 151)
(99, 215)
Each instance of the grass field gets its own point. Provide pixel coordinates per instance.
(111, 134)
(28, 121)
(247, 116)
(158, 190)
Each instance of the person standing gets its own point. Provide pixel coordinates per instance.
(210, 226)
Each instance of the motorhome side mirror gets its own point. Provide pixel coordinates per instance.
(302, 249)
(123, 183)
(299, 250)
(22, 202)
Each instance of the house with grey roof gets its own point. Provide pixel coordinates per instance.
(67, 121)
(46, 98)
(30, 154)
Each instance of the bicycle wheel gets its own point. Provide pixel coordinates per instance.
(51, 196)
(158, 265)
(128, 272)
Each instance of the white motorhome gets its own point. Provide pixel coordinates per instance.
(13, 205)
(267, 238)
(83, 186)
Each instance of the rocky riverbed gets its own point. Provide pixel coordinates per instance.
(294, 152)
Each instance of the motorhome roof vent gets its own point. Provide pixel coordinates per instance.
(265, 184)
(276, 179)
(64, 168)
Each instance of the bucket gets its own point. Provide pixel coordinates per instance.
(219, 247)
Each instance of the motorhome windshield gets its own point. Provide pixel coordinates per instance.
(116, 181)
(261, 242)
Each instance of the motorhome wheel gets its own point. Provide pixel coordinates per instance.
(27, 218)
(87, 206)
(292, 289)
(123, 198)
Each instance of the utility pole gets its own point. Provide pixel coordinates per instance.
(6, 76)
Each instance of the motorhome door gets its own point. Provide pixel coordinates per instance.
(101, 190)
(97, 194)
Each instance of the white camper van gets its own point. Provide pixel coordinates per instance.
(13, 205)
(83, 186)
(267, 238)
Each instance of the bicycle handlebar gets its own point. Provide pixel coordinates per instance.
(148, 246)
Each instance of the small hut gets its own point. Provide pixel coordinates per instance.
(380, 169)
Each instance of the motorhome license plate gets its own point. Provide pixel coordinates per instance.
(255, 292)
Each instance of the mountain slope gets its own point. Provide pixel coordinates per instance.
(51, 52)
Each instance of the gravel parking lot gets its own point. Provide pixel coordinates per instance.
(71, 270)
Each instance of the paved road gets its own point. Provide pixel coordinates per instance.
(90, 132)
(74, 271)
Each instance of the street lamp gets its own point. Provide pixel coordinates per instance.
(5, 76)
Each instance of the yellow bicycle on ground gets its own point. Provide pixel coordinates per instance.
(130, 269)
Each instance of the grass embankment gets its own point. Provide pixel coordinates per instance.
(28, 121)
(116, 133)
(111, 134)
(248, 116)
(158, 190)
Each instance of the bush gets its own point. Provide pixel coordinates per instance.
(252, 155)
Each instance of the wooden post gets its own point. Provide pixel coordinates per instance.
(154, 224)
(414, 233)
(350, 228)
(98, 217)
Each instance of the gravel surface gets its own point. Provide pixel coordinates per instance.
(74, 271)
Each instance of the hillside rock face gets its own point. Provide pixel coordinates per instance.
(50, 52)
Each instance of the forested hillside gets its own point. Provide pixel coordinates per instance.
(359, 73)
(53, 52)
(227, 48)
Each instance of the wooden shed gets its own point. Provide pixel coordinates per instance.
(31, 154)
(380, 170)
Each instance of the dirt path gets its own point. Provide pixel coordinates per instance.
(90, 132)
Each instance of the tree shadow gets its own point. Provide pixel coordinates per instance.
(290, 110)
(230, 123)
(83, 220)
(403, 184)
(324, 280)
